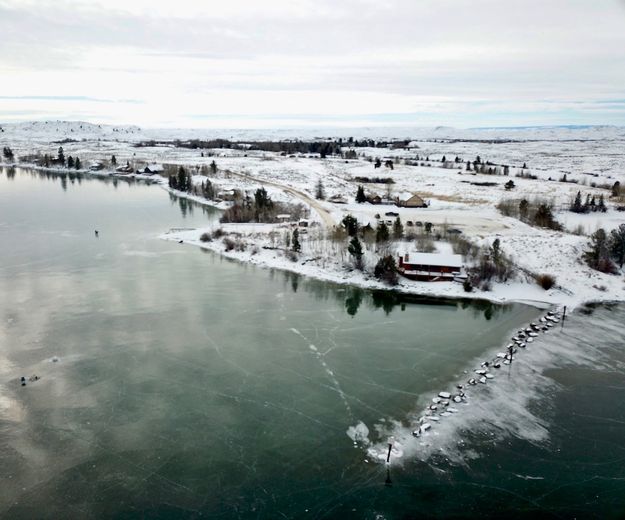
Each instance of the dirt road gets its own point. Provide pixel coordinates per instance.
(325, 216)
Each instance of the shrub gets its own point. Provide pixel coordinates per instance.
(546, 281)
(606, 265)
(218, 233)
(206, 237)
(491, 263)
(467, 285)
(425, 244)
(229, 243)
(386, 270)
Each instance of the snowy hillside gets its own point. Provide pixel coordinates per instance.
(57, 130)
(49, 131)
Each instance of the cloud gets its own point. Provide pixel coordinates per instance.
(292, 57)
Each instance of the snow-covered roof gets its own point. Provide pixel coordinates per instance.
(436, 259)
(155, 167)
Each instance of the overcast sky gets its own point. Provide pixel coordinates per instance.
(289, 63)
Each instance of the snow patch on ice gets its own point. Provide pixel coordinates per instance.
(359, 433)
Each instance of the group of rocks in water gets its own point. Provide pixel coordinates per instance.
(443, 404)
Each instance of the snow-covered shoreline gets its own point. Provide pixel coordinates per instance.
(273, 259)
(500, 293)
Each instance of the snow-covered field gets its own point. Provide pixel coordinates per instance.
(589, 156)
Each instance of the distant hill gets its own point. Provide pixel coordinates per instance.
(58, 131)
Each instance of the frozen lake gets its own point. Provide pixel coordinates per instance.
(189, 386)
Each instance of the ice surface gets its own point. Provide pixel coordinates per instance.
(502, 408)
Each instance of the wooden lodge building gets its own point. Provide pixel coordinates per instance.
(431, 267)
(413, 202)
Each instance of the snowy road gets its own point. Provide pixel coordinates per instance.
(321, 211)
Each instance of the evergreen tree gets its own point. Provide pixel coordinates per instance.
(444, 159)
(428, 228)
(378, 163)
(386, 270)
(382, 234)
(295, 245)
(577, 207)
(506, 170)
(617, 244)
(544, 217)
(523, 209)
(183, 180)
(208, 191)
(616, 189)
(398, 229)
(597, 256)
(360, 195)
(61, 156)
(77, 164)
(213, 168)
(601, 206)
(262, 199)
(351, 225)
(496, 251)
(70, 162)
(8, 153)
(468, 166)
(113, 160)
(319, 191)
(355, 250)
